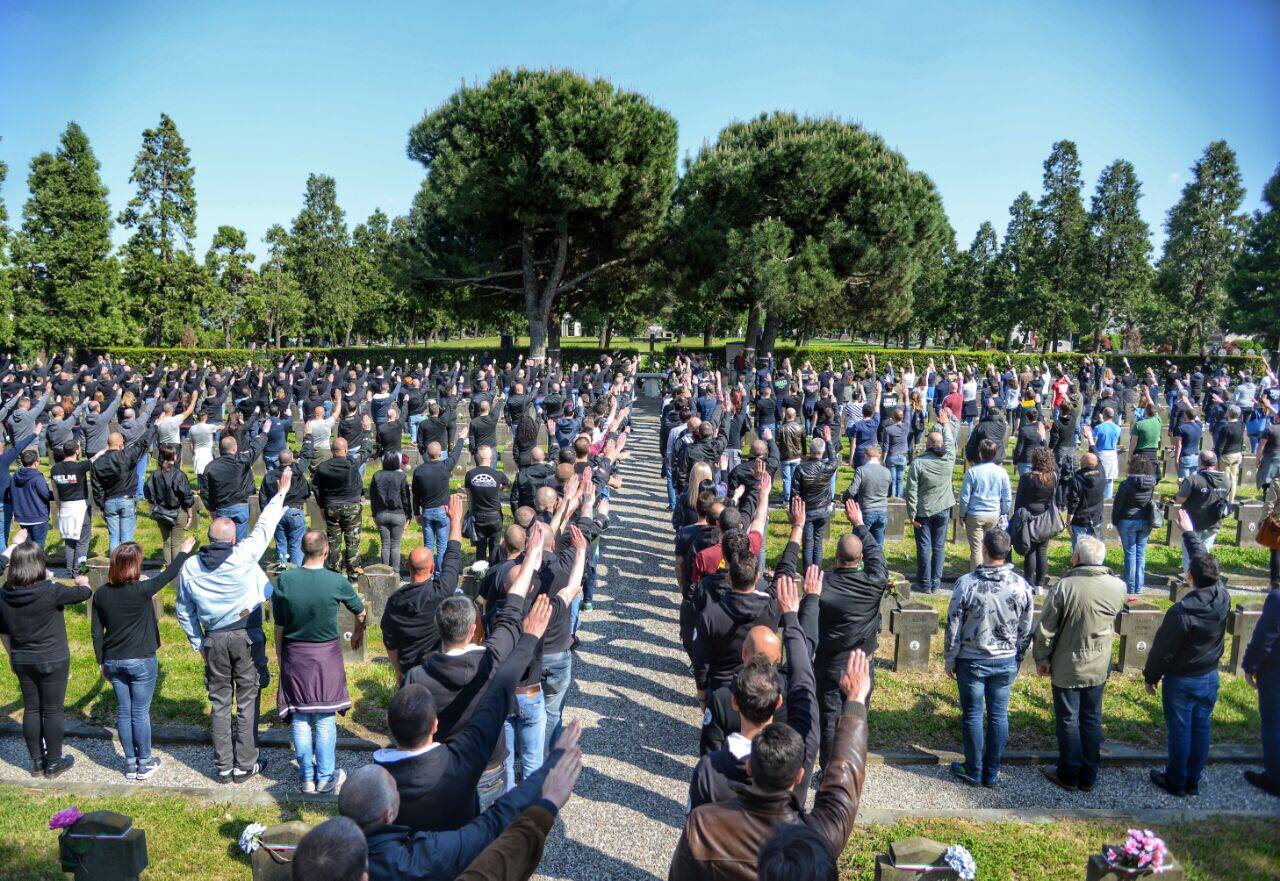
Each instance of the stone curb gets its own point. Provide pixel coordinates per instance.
(1047, 815)
(230, 794)
(1112, 754)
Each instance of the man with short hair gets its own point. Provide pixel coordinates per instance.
(723, 840)
(1085, 497)
(227, 481)
(870, 489)
(333, 851)
(985, 499)
(1185, 654)
(1228, 444)
(293, 523)
(1073, 646)
(988, 630)
(313, 682)
(929, 499)
(339, 489)
(790, 440)
(797, 853)
(430, 490)
(812, 482)
(114, 482)
(1205, 497)
(220, 595)
(30, 496)
(484, 485)
(408, 622)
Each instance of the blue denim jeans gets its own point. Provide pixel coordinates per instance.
(1022, 468)
(141, 471)
(435, 531)
(493, 783)
(812, 539)
(672, 498)
(876, 521)
(788, 471)
(557, 673)
(897, 468)
(289, 532)
(1188, 465)
(985, 685)
(524, 730)
(1077, 531)
(239, 515)
(121, 515)
(37, 533)
(1269, 717)
(931, 550)
(6, 516)
(414, 421)
(1133, 537)
(315, 740)
(1188, 703)
(1208, 537)
(134, 682)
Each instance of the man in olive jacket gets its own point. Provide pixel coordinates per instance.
(1073, 645)
(723, 840)
(929, 497)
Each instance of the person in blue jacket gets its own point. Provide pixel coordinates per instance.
(7, 458)
(30, 495)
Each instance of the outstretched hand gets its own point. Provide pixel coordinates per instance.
(855, 684)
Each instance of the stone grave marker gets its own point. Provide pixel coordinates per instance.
(1098, 870)
(314, 513)
(1136, 627)
(347, 629)
(1110, 534)
(1028, 665)
(913, 626)
(914, 859)
(376, 584)
(103, 846)
(1248, 470)
(898, 594)
(1240, 624)
(273, 860)
(1178, 588)
(896, 528)
(1248, 519)
(954, 531)
(1173, 530)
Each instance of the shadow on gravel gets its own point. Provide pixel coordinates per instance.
(592, 672)
(570, 859)
(633, 796)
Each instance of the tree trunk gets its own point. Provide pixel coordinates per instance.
(708, 332)
(752, 337)
(602, 338)
(608, 333)
(772, 322)
(553, 332)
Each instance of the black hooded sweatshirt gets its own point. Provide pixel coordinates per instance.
(1190, 640)
(31, 616)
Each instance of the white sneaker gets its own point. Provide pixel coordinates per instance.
(309, 787)
(334, 784)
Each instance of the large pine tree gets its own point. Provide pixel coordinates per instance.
(67, 284)
(164, 280)
(229, 267)
(1118, 257)
(1255, 283)
(319, 255)
(1204, 230)
(1013, 288)
(1060, 244)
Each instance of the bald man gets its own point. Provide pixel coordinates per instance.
(721, 717)
(430, 486)
(114, 481)
(227, 482)
(409, 629)
(537, 474)
(1085, 494)
(756, 696)
(339, 489)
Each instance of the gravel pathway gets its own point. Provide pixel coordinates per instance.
(633, 692)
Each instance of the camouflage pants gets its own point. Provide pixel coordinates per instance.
(342, 523)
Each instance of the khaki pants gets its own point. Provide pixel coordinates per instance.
(1230, 465)
(975, 525)
(174, 536)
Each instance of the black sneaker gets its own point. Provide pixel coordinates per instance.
(1161, 780)
(58, 767)
(958, 770)
(37, 766)
(147, 768)
(226, 776)
(1260, 780)
(258, 768)
(1087, 787)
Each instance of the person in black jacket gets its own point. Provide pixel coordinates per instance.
(1031, 436)
(115, 480)
(408, 623)
(126, 638)
(392, 507)
(339, 487)
(227, 482)
(293, 521)
(430, 487)
(168, 491)
(813, 483)
(1085, 492)
(721, 717)
(34, 633)
(1037, 489)
(1132, 513)
(993, 427)
(1185, 654)
(756, 698)
(848, 617)
(70, 478)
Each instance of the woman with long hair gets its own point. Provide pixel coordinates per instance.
(126, 637)
(918, 416)
(34, 633)
(1035, 494)
(168, 491)
(686, 513)
(525, 437)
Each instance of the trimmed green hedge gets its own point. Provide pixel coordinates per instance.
(899, 358)
(376, 355)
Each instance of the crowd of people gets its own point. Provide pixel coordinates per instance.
(483, 753)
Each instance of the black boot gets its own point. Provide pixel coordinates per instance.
(37, 766)
(57, 767)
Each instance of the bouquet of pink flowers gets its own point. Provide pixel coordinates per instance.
(1143, 851)
(65, 817)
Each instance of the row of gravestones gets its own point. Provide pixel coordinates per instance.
(913, 626)
(106, 846)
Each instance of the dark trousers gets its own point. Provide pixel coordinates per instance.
(1035, 565)
(831, 703)
(815, 534)
(486, 538)
(1188, 704)
(1269, 716)
(342, 524)
(43, 694)
(232, 677)
(931, 550)
(1077, 714)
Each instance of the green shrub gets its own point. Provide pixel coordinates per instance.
(376, 355)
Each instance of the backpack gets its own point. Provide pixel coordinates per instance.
(1214, 506)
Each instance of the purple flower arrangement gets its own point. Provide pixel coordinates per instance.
(1142, 852)
(65, 817)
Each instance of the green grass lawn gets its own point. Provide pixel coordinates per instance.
(186, 835)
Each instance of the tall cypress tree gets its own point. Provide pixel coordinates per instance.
(6, 289)
(1255, 282)
(67, 284)
(1204, 230)
(319, 256)
(1013, 286)
(1118, 257)
(228, 265)
(159, 268)
(1060, 245)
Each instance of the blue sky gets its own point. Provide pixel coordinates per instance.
(973, 94)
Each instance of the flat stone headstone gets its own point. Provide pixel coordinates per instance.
(376, 584)
(1173, 529)
(914, 859)
(103, 846)
(273, 860)
(1248, 470)
(1248, 519)
(1137, 626)
(1028, 665)
(1240, 624)
(346, 629)
(913, 626)
(896, 528)
(1178, 588)
(1110, 534)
